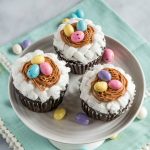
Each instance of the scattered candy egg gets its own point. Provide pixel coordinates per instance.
(77, 36)
(38, 59)
(82, 118)
(68, 29)
(65, 20)
(73, 15)
(33, 71)
(108, 55)
(59, 113)
(104, 75)
(80, 13)
(81, 25)
(46, 68)
(17, 49)
(115, 84)
(100, 86)
(26, 44)
(114, 137)
(142, 113)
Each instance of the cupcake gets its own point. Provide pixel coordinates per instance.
(80, 43)
(40, 80)
(106, 92)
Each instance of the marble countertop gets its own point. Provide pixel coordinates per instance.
(18, 17)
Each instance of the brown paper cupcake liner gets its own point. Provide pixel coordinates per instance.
(38, 106)
(77, 67)
(101, 116)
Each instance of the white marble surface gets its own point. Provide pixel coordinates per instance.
(18, 17)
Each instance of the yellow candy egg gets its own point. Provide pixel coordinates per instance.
(68, 29)
(59, 113)
(38, 59)
(65, 20)
(100, 86)
(114, 137)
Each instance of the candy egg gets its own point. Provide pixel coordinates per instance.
(26, 43)
(73, 15)
(59, 113)
(114, 137)
(115, 84)
(17, 49)
(46, 68)
(108, 55)
(38, 59)
(80, 13)
(65, 20)
(33, 71)
(100, 86)
(104, 75)
(77, 36)
(142, 113)
(68, 29)
(82, 118)
(81, 25)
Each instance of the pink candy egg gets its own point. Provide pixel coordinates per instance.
(108, 55)
(77, 36)
(46, 68)
(115, 84)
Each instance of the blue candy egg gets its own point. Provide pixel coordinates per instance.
(73, 15)
(104, 75)
(80, 13)
(33, 71)
(81, 25)
(26, 43)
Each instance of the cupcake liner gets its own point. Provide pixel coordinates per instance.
(77, 67)
(38, 106)
(101, 116)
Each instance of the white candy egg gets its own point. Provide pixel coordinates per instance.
(142, 113)
(17, 49)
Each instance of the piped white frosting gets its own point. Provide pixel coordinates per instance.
(28, 89)
(86, 53)
(105, 107)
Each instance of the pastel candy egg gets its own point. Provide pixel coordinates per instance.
(73, 15)
(100, 86)
(81, 25)
(68, 29)
(80, 13)
(38, 59)
(142, 113)
(114, 137)
(82, 118)
(33, 71)
(17, 49)
(46, 68)
(65, 20)
(104, 75)
(108, 55)
(26, 44)
(115, 84)
(59, 113)
(77, 36)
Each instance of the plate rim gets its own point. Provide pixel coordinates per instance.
(92, 141)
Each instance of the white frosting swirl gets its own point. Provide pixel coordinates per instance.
(106, 107)
(28, 89)
(86, 53)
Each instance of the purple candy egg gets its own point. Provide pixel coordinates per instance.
(77, 36)
(104, 75)
(115, 84)
(82, 119)
(26, 44)
(108, 55)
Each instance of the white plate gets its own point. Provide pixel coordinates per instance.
(67, 130)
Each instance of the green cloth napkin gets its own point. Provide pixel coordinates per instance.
(132, 138)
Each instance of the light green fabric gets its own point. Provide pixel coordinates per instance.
(138, 133)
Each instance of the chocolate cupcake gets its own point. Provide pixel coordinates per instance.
(106, 92)
(80, 43)
(40, 80)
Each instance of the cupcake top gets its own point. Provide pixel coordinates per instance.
(39, 76)
(79, 40)
(107, 89)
